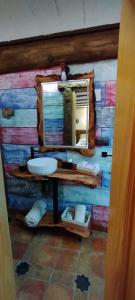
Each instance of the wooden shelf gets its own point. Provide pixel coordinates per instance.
(52, 219)
(61, 174)
(47, 221)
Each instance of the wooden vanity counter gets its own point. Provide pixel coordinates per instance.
(61, 174)
(53, 218)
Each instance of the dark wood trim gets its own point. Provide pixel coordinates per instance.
(61, 34)
(79, 46)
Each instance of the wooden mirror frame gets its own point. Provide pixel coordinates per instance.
(90, 151)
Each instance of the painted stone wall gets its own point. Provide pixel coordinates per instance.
(18, 133)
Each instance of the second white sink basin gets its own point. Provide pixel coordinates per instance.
(42, 165)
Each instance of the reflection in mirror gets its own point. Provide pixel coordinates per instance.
(65, 108)
(66, 114)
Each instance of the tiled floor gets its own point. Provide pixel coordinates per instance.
(55, 259)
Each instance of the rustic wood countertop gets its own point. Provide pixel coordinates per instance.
(61, 174)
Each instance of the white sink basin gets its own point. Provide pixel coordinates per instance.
(42, 166)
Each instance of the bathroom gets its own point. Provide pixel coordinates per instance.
(37, 250)
(19, 137)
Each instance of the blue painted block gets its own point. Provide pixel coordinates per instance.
(21, 118)
(15, 154)
(99, 87)
(21, 202)
(55, 125)
(54, 112)
(24, 187)
(53, 99)
(105, 117)
(109, 133)
(85, 195)
(106, 180)
(18, 98)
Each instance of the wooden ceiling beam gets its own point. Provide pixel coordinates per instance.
(74, 47)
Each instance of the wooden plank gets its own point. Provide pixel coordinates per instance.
(105, 117)
(7, 281)
(80, 194)
(62, 174)
(25, 79)
(120, 263)
(47, 220)
(21, 202)
(15, 154)
(23, 187)
(78, 47)
(21, 118)
(19, 136)
(53, 138)
(18, 98)
(110, 93)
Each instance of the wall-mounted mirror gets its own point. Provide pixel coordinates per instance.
(66, 113)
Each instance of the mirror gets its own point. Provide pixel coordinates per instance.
(66, 113)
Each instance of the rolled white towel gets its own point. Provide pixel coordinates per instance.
(36, 213)
(80, 211)
(69, 215)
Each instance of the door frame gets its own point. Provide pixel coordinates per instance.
(120, 262)
(7, 280)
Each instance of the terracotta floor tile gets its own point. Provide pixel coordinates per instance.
(42, 254)
(80, 295)
(62, 278)
(31, 290)
(97, 265)
(83, 263)
(18, 249)
(67, 260)
(39, 272)
(96, 291)
(54, 241)
(98, 244)
(72, 243)
(55, 292)
(55, 260)
(19, 233)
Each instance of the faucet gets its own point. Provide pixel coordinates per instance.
(32, 152)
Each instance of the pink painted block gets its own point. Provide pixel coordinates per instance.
(19, 136)
(25, 79)
(98, 132)
(8, 168)
(101, 213)
(110, 93)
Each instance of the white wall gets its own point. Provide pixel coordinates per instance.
(21, 19)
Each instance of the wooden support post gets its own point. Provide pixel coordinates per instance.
(120, 264)
(7, 281)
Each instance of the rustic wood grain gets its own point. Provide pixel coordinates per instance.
(47, 220)
(91, 131)
(22, 136)
(18, 98)
(62, 174)
(25, 79)
(79, 47)
(7, 281)
(120, 263)
(21, 118)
